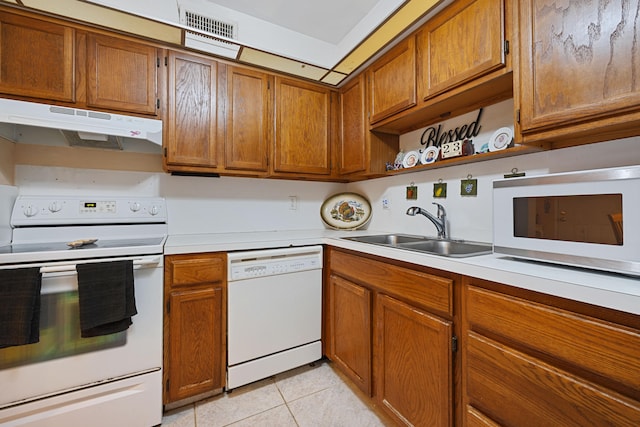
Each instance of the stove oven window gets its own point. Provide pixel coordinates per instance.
(59, 334)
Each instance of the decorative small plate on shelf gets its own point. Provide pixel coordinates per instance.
(501, 139)
(429, 155)
(346, 211)
(411, 159)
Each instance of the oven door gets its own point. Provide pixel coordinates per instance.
(63, 362)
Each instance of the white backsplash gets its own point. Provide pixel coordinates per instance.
(195, 204)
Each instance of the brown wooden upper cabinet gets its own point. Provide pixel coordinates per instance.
(353, 109)
(464, 42)
(303, 128)
(578, 75)
(361, 152)
(36, 58)
(121, 74)
(392, 81)
(192, 138)
(248, 126)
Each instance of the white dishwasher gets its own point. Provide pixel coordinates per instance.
(274, 312)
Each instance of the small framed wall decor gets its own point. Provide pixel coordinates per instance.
(440, 190)
(412, 192)
(469, 187)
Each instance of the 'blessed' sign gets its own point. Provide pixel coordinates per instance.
(436, 137)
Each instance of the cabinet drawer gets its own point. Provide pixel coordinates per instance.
(190, 269)
(420, 288)
(528, 391)
(604, 348)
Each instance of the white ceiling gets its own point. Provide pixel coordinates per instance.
(327, 20)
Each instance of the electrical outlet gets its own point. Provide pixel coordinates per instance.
(386, 203)
(293, 203)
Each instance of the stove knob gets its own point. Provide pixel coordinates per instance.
(55, 207)
(154, 210)
(135, 206)
(30, 211)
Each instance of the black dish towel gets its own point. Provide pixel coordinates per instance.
(106, 297)
(20, 306)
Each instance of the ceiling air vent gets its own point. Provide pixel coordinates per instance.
(209, 30)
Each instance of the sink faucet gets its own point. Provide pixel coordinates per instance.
(440, 221)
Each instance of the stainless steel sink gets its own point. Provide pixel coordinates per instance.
(450, 248)
(434, 246)
(388, 239)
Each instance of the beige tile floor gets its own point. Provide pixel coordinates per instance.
(305, 397)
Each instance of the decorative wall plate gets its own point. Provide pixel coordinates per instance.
(411, 159)
(429, 155)
(501, 139)
(346, 211)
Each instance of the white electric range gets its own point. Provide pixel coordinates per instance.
(64, 378)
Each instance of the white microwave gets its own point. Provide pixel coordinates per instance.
(586, 218)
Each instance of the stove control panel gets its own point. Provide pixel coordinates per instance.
(70, 210)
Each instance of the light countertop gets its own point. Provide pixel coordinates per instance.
(603, 289)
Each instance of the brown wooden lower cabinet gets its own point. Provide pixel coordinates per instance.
(194, 325)
(413, 371)
(389, 329)
(350, 318)
(535, 360)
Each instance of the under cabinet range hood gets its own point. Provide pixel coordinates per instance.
(34, 123)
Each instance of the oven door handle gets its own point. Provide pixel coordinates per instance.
(71, 268)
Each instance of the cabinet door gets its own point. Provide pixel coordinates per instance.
(462, 43)
(195, 347)
(392, 81)
(350, 325)
(353, 147)
(249, 130)
(192, 126)
(36, 58)
(413, 364)
(121, 74)
(303, 128)
(578, 62)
